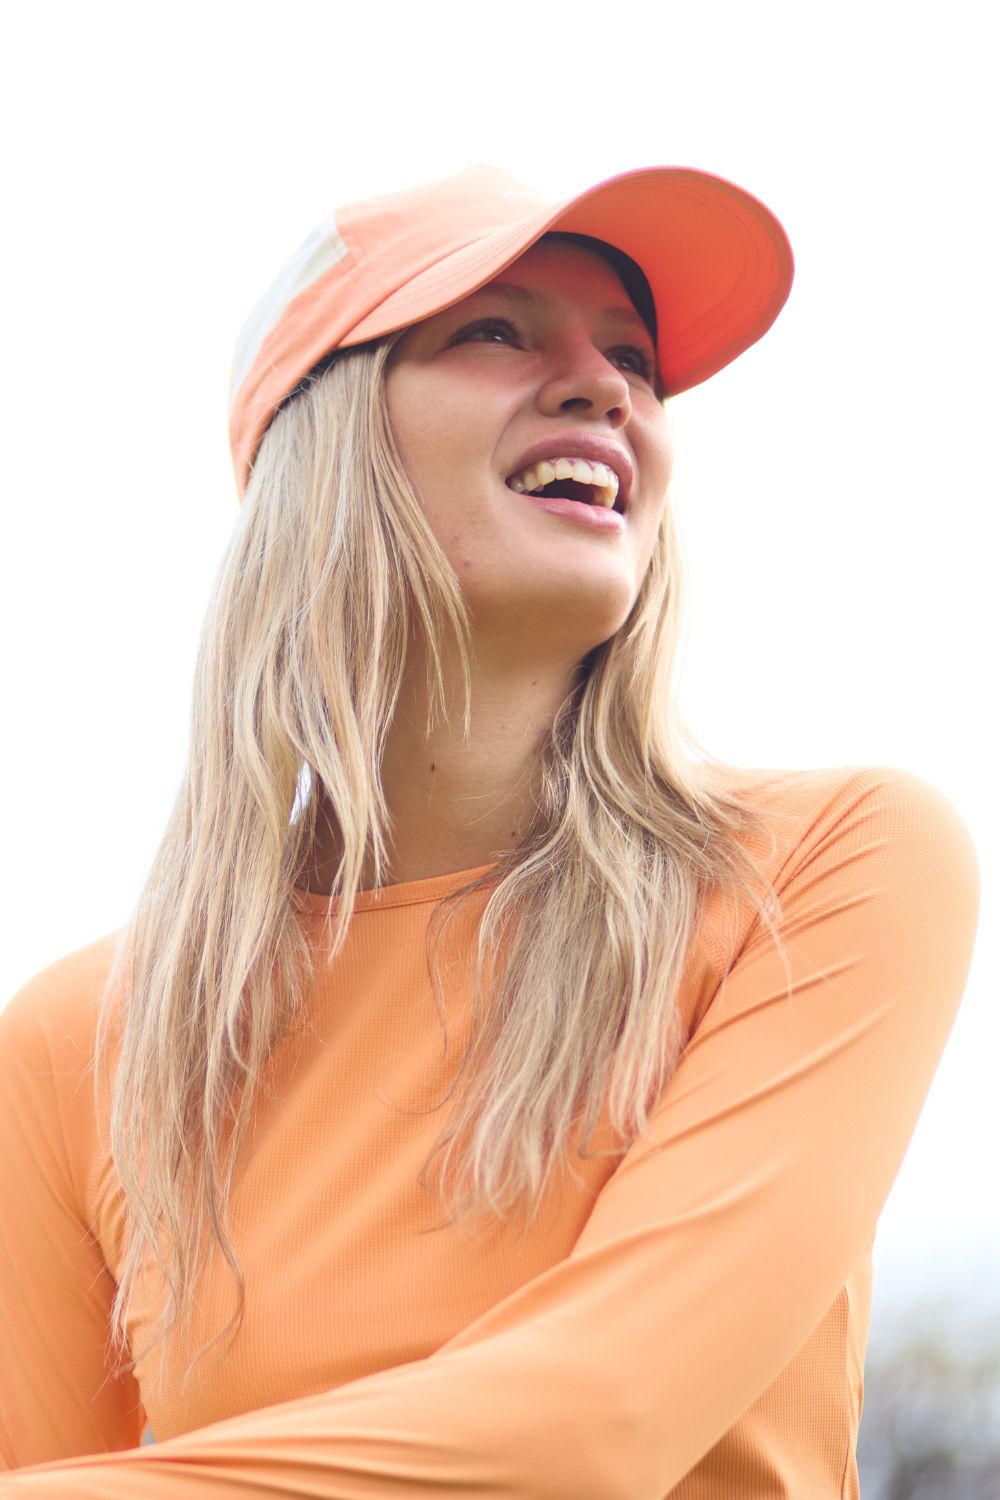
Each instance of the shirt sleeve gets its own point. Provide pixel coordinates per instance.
(56, 1397)
(707, 1260)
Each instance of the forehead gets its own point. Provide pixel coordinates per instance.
(561, 267)
(553, 275)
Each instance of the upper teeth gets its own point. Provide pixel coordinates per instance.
(604, 479)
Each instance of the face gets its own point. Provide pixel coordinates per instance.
(477, 390)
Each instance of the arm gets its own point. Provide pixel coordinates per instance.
(705, 1265)
(55, 1290)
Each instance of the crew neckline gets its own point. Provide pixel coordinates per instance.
(403, 893)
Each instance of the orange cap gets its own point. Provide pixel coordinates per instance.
(718, 263)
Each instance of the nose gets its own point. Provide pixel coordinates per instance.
(583, 379)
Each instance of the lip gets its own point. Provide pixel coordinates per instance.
(582, 445)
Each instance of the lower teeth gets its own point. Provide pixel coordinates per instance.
(541, 495)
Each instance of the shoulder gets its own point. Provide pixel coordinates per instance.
(808, 801)
(47, 1111)
(858, 824)
(878, 883)
(55, 1011)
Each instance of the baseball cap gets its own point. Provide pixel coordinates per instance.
(717, 261)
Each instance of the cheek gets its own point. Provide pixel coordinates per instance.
(415, 420)
(659, 456)
(403, 407)
(446, 429)
(422, 427)
(656, 459)
(663, 468)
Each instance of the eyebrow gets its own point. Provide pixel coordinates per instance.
(515, 293)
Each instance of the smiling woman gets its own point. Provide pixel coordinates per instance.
(438, 779)
(474, 401)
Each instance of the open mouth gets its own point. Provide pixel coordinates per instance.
(567, 479)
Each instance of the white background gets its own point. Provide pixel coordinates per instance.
(837, 485)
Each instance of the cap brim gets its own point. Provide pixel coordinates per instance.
(718, 262)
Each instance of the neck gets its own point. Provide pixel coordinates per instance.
(454, 804)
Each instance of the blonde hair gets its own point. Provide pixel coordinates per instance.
(331, 564)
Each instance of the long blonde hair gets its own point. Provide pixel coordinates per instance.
(301, 658)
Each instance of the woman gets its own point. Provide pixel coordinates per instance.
(437, 766)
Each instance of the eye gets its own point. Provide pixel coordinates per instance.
(643, 363)
(488, 325)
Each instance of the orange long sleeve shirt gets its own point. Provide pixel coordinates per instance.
(689, 1322)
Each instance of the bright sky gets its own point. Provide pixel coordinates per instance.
(837, 485)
